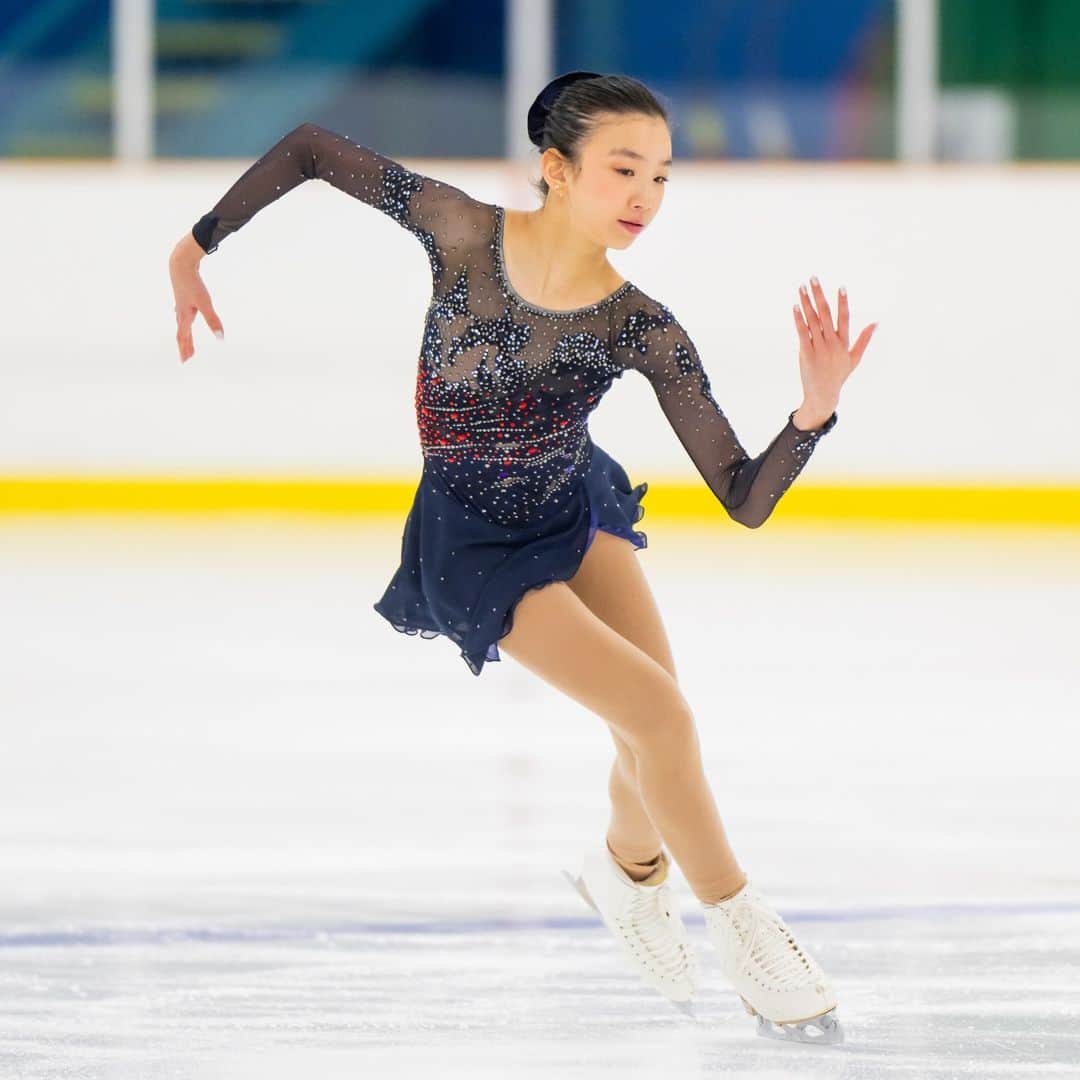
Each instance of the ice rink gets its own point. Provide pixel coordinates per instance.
(251, 831)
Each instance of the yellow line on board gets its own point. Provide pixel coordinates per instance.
(1028, 504)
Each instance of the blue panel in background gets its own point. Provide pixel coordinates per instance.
(744, 78)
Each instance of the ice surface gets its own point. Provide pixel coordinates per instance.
(249, 830)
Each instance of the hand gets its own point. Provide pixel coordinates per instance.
(825, 361)
(191, 295)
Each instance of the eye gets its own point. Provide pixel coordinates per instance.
(664, 178)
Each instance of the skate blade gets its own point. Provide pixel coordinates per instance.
(830, 1031)
(579, 885)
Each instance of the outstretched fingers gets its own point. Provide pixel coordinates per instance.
(824, 312)
(806, 344)
(815, 324)
(812, 322)
(860, 345)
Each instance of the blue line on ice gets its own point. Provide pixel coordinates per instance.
(226, 934)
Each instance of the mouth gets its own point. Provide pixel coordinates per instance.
(631, 226)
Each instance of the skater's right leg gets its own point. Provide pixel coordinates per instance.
(632, 838)
(556, 636)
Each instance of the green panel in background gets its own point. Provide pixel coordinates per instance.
(1031, 47)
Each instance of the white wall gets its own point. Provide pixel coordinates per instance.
(973, 373)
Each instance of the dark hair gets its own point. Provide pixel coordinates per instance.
(568, 110)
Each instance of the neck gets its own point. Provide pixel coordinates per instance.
(563, 260)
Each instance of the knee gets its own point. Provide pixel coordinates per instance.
(662, 717)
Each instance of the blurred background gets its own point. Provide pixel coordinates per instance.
(246, 828)
(989, 80)
(920, 153)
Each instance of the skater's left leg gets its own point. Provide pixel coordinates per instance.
(612, 585)
(557, 637)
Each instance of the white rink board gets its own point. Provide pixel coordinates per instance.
(972, 374)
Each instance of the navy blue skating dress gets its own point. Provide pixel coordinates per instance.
(513, 489)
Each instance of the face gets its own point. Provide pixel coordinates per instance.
(624, 167)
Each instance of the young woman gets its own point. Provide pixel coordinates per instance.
(521, 533)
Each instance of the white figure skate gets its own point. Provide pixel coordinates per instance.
(777, 980)
(646, 923)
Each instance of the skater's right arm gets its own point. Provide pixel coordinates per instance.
(441, 216)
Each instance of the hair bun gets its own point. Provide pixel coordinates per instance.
(538, 111)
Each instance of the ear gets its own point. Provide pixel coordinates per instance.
(553, 167)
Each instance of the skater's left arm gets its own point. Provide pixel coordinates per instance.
(652, 341)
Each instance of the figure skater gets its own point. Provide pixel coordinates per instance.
(521, 533)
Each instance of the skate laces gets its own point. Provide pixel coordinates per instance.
(770, 945)
(647, 915)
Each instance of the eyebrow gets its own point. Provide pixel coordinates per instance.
(627, 152)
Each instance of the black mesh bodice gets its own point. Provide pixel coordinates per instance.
(504, 388)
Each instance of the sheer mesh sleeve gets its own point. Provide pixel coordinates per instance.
(653, 342)
(441, 216)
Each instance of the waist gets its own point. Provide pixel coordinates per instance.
(511, 489)
(509, 452)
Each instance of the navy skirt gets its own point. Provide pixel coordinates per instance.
(461, 575)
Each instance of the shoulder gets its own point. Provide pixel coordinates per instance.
(640, 319)
(649, 339)
(459, 222)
